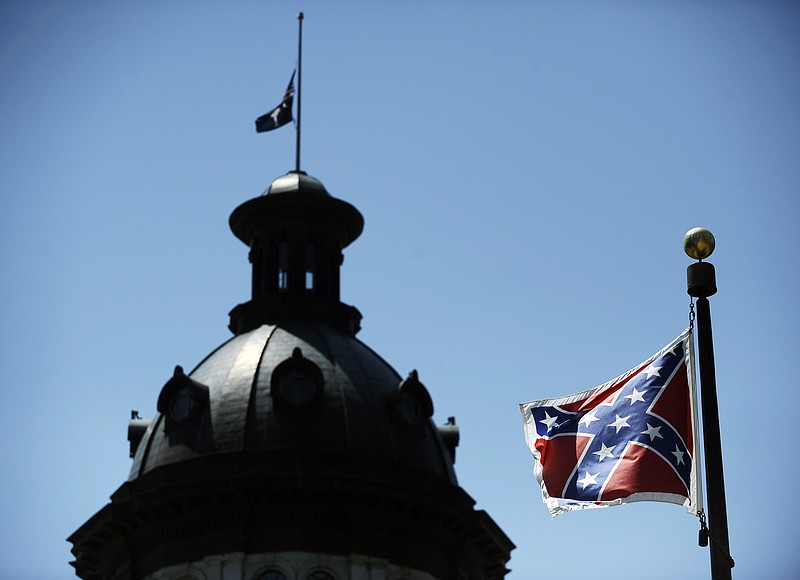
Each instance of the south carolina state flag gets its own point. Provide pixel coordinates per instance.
(280, 115)
(631, 439)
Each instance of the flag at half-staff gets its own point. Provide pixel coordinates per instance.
(280, 115)
(631, 439)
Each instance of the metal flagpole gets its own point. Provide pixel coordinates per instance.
(701, 283)
(299, 84)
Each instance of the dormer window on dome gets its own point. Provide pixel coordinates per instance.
(411, 403)
(296, 382)
(182, 401)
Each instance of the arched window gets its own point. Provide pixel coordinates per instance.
(272, 575)
(283, 266)
(311, 265)
(320, 575)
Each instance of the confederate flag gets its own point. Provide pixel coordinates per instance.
(631, 439)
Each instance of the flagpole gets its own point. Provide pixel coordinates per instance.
(701, 283)
(299, 84)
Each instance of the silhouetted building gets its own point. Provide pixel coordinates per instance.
(293, 451)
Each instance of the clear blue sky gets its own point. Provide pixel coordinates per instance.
(526, 170)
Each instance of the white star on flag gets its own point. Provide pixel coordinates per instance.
(549, 421)
(635, 396)
(652, 431)
(652, 370)
(588, 479)
(589, 417)
(620, 422)
(604, 452)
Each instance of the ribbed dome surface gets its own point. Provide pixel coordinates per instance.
(351, 405)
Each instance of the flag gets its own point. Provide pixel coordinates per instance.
(281, 114)
(631, 439)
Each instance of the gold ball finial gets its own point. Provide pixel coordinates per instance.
(698, 243)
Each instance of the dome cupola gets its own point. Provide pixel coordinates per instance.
(296, 232)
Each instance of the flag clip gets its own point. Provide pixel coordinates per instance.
(702, 535)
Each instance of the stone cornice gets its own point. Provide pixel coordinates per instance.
(289, 501)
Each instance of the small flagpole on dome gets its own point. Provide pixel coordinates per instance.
(299, 84)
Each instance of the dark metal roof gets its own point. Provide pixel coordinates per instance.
(360, 408)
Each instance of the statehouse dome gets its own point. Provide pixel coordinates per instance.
(295, 376)
(303, 386)
(293, 441)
